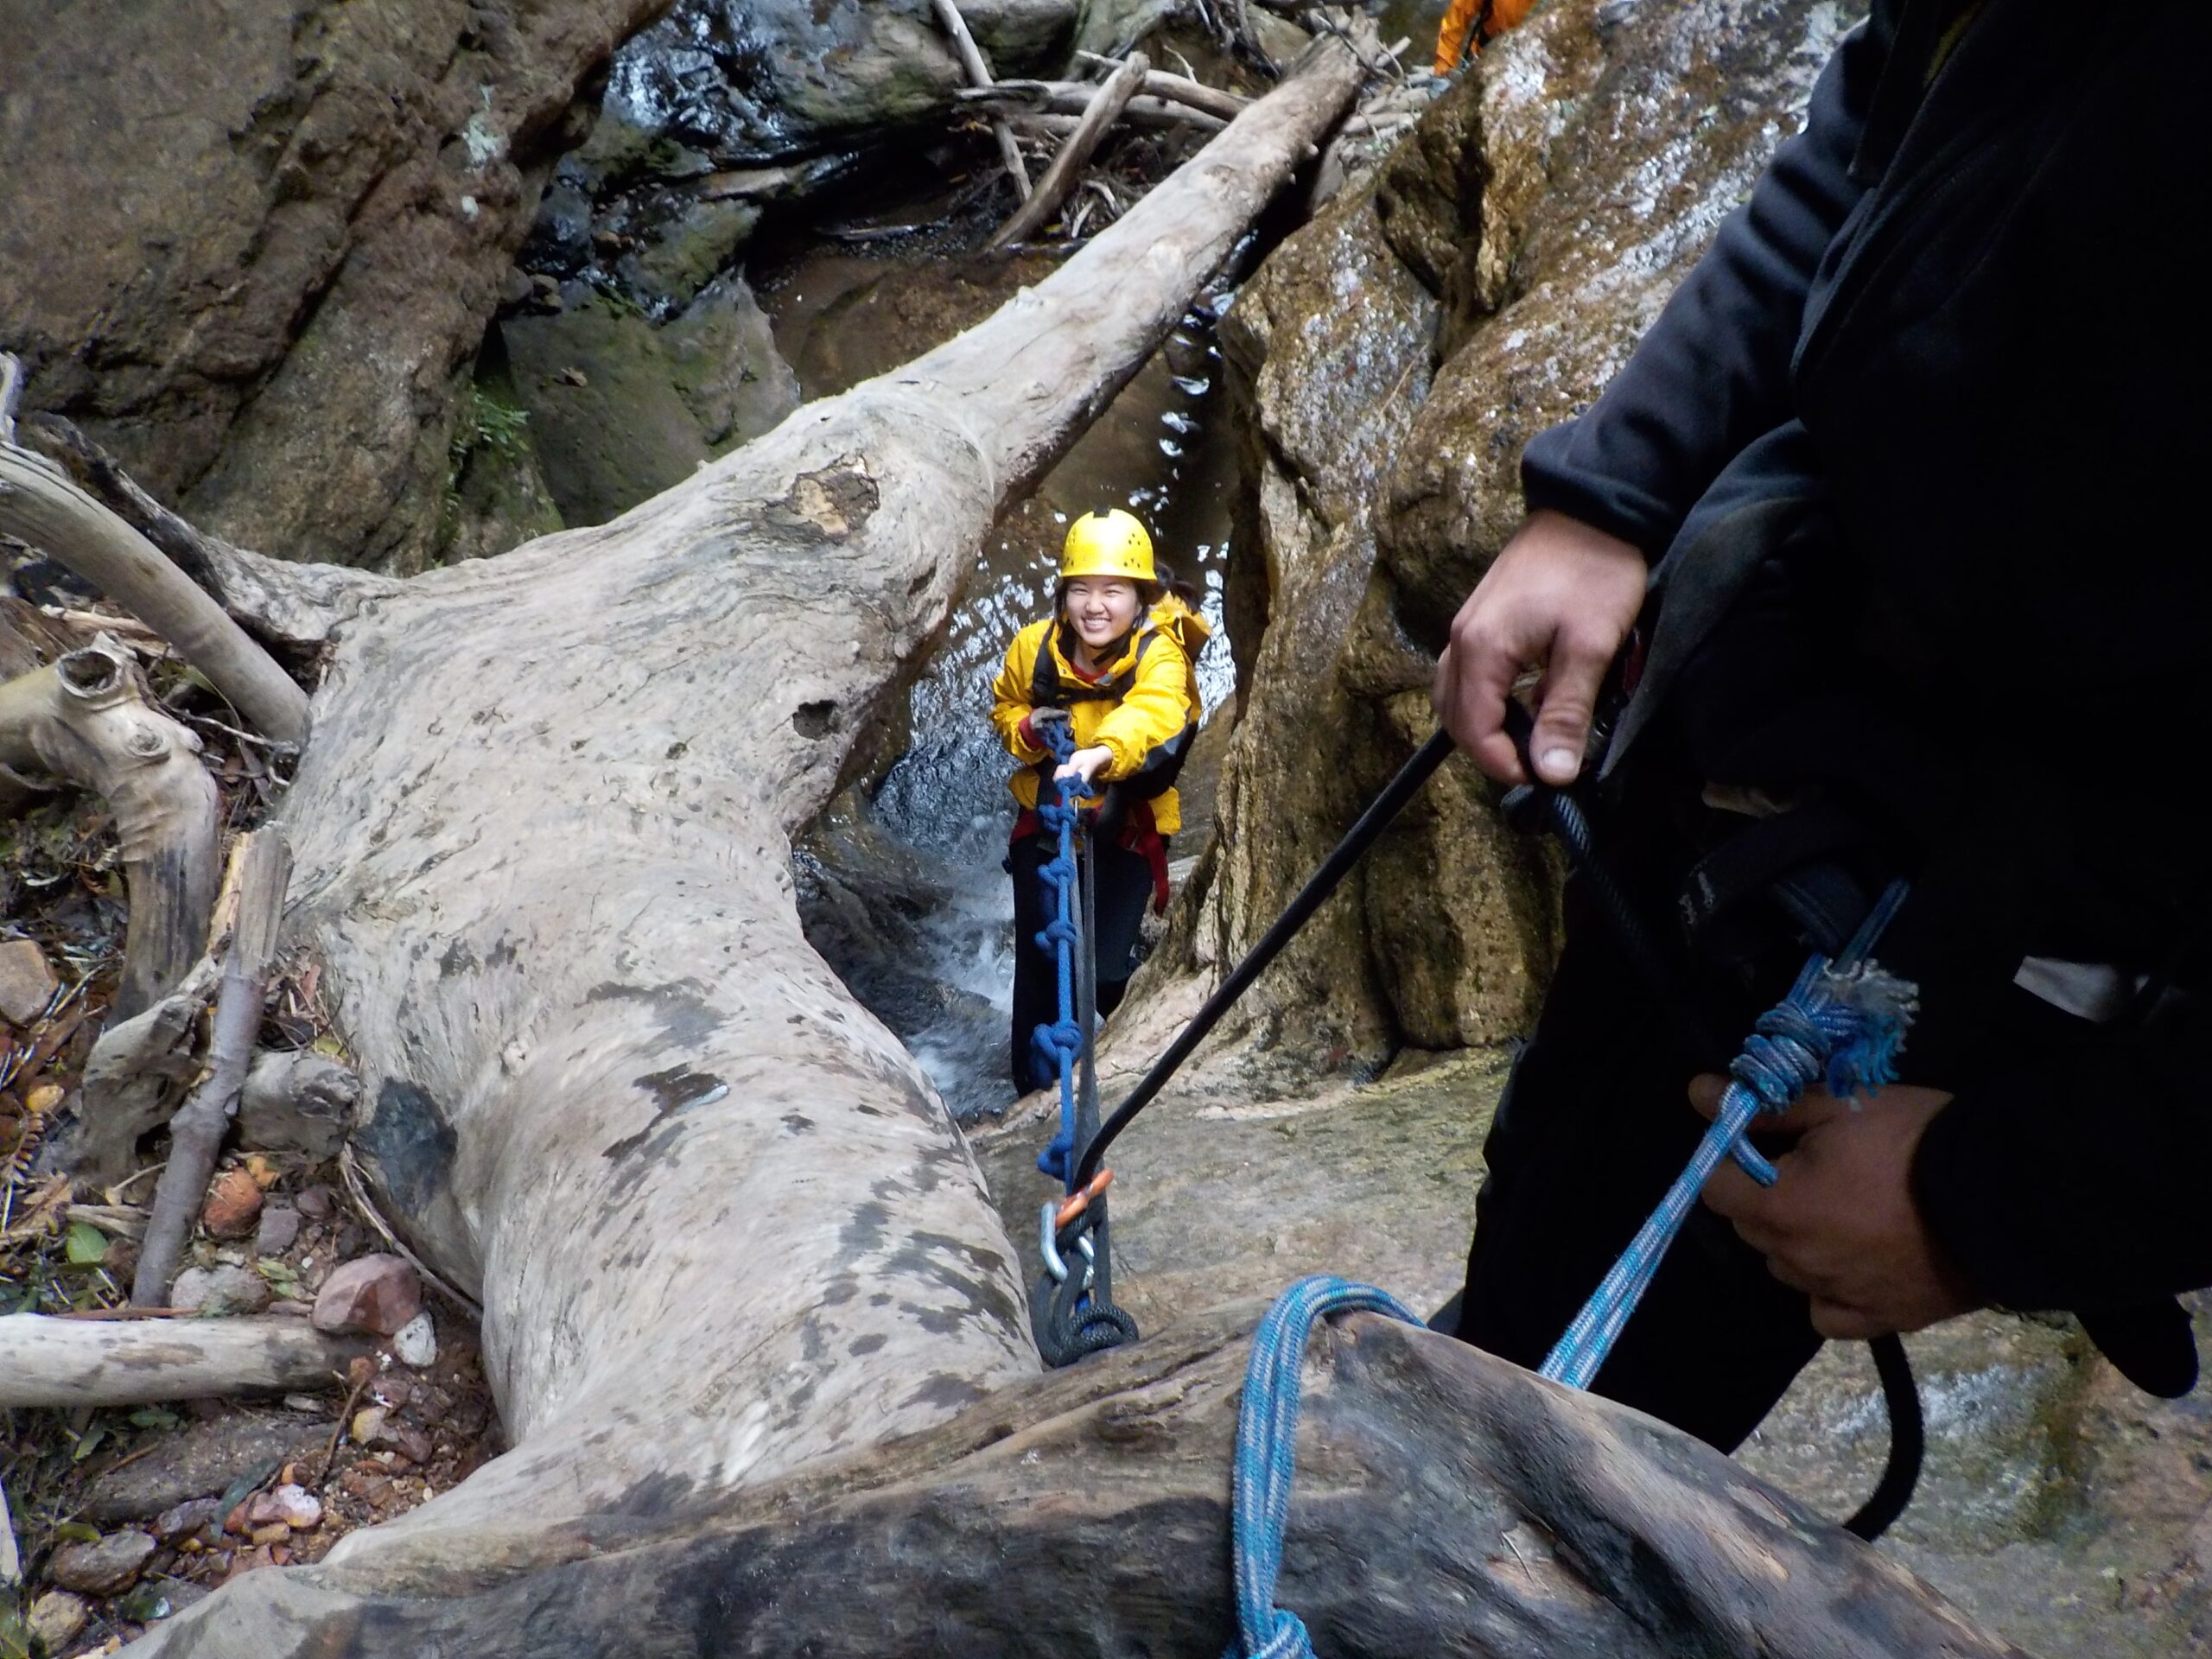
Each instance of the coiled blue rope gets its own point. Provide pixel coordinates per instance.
(1060, 1044)
(1267, 1455)
(1842, 1023)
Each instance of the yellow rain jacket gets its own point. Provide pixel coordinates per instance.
(1156, 697)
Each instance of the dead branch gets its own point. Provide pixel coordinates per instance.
(1107, 103)
(11, 1559)
(1175, 89)
(261, 862)
(137, 1072)
(55, 1361)
(88, 720)
(296, 603)
(40, 505)
(1062, 113)
(978, 70)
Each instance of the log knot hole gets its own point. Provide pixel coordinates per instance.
(813, 720)
(830, 504)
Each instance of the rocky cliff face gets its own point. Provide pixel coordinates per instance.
(1392, 359)
(253, 245)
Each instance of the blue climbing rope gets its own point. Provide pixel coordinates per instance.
(1059, 1044)
(1267, 1455)
(1843, 1022)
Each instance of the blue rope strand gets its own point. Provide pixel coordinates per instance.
(1267, 1455)
(1059, 1044)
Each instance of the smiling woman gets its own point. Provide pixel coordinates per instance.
(1112, 663)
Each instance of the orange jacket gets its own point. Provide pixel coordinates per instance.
(1452, 42)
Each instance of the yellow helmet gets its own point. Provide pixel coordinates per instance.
(1108, 544)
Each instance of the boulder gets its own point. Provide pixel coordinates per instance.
(252, 248)
(103, 1567)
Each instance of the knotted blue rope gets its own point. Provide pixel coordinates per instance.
(1267, 1455)
(1843, 1023)
(1059, 1044)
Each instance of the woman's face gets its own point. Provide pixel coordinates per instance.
(1101, 609)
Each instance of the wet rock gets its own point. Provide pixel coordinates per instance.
(26, 984)
(279, 1231)
(105, 1567)
(682, 259)
(233, 1204)
(259, 285)
(220, 1293)
(416, 1343)
(57, 1620)
(202, 1460)
(375, 1294)
(621, 410)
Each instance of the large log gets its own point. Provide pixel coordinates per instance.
(719, 1224)
(1447, 1503)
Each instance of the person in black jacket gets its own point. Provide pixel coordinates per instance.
(1903, 487)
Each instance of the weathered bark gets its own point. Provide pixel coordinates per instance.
(72, 1362)
(1107, 103)
(133, 1079)
(1446, 1503)
(85, 718)
(42, 505)
(260, 864)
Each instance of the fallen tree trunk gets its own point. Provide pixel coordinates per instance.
(719, 1224)
(71, 1362)
(1447, 1503)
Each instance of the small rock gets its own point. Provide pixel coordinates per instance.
(26, 984)
(374, 1293)
(391, 1390)
(293, 1506)
(318, 1203)
(107, 1567)
(219, 1292)
(187, 1519)
(279, 1229)
(368, 1425)
(410, 1442)
(57, 1619)
(416, 1343)
(233, 1204)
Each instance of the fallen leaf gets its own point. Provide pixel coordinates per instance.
(44, 1098)
(86, 1246)
(265, 1174)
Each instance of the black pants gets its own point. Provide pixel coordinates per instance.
(1123, 887)
(1594, 1125)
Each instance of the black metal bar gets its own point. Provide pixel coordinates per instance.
(1322, 882)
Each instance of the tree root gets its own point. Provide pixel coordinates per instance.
(88, 719)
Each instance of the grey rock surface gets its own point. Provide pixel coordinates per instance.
(201, 1461)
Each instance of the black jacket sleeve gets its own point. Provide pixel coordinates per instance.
(1714, 373)
(2074, 1177)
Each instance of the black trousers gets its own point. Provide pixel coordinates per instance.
(1594, 1125)
(1123, 887)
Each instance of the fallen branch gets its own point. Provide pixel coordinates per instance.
(88, 719)
(54, 1361)
(978, 70)
(40, 505)
(261, 863)
(11, 1559)
(133, 1079)
(1175, 89)
(1107, 103)
(282, 599)
(1062, 112)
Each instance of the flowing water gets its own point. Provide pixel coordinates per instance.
(902, 885)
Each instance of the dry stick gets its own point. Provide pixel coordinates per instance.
(11, 1561)
(40, 503)
(979, 74)
(1106, 103)
(1062, 112)
(46, 1361)
(263, 862)
(1177, 89)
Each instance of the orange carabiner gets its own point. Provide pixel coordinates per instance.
(1080, 1202)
